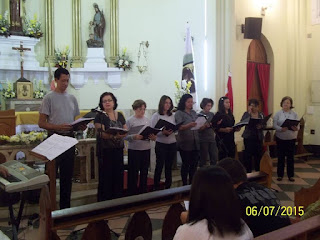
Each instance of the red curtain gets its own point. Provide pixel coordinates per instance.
(264, 75)
(251, 66)
(229, 93)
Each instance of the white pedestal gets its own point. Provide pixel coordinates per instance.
(95, 67)
(10, 58)
(95, 59)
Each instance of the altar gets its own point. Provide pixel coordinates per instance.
(23, 105)
(28, 121)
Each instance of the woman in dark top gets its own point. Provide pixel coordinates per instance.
(187, 139)
(109, 149)
(223, 121)
(253, 137)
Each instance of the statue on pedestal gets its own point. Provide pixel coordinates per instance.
(99, 24)
(15, 18)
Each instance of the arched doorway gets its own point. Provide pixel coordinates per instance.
(257, 86)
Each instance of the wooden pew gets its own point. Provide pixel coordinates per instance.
(264, 176)
(96, 213)
(305, 196)
(299, 231)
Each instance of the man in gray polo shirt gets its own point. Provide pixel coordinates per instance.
(57, 111)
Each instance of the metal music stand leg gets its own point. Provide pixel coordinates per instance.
(16, 221)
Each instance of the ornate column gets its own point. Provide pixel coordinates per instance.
(49, 33)
(114, 33)
(77, 61)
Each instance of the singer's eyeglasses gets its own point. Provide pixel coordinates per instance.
(107, 101)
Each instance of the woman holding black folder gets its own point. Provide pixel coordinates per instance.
(138, 149)
(253, 137)
(187, 139)
(286, 138)
(223, 122)
(109, 148)
(166, 146)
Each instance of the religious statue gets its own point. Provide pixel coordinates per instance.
(99, 23)
(15, 18)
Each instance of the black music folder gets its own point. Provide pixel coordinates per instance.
(290, 123)
(253, 122)
(81, 121)
(167, 125)
(242, 123)
(115, 130)
(149, 130)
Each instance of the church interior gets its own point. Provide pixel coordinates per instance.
(135, 50)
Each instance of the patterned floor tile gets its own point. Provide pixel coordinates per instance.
(291, 188)
(305, 170)
(309, 175)
(310, 181)
(290, 195)
(283, 196)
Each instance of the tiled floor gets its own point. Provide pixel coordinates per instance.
(306, 174)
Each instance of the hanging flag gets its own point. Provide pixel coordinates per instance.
(188, 69)
(229, 92)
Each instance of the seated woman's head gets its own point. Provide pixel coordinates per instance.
(213, 198)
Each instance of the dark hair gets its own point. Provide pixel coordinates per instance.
(162, 101)
(287, 98)
(235, 169)
(205, 101)
(213, 198)
(138, 103)
(253, 101)
(60, 71)
(113, 98)
(221, 107)
(187, 71)
(182, 102)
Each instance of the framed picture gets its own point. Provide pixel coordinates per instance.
(24, 90)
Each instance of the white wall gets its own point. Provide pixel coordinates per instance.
(162, 23)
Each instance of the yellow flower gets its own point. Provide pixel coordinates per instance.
(4, 29)
(189, 84)
(176, 83)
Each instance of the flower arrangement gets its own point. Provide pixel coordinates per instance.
(32, 28)
(4, 24)
(8, 92)
(28, 138)
(62, 57)
(4, 139)
(123, 61)
(39, 91)
(185, 88)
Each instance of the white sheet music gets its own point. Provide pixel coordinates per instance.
(200, 122)
(55, 145)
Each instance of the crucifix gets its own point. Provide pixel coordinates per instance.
(21, 49)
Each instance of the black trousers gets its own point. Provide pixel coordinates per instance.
(285, 149)
(226, 147)
(65, 164)
(211, 148)
(253, 149)
(110, 174)
(165, 154)
(138, 161)
(189, 165)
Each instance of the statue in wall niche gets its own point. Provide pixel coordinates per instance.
(15, 18)
(98, 24)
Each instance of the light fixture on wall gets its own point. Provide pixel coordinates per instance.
(142, 64)
(264, 6)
